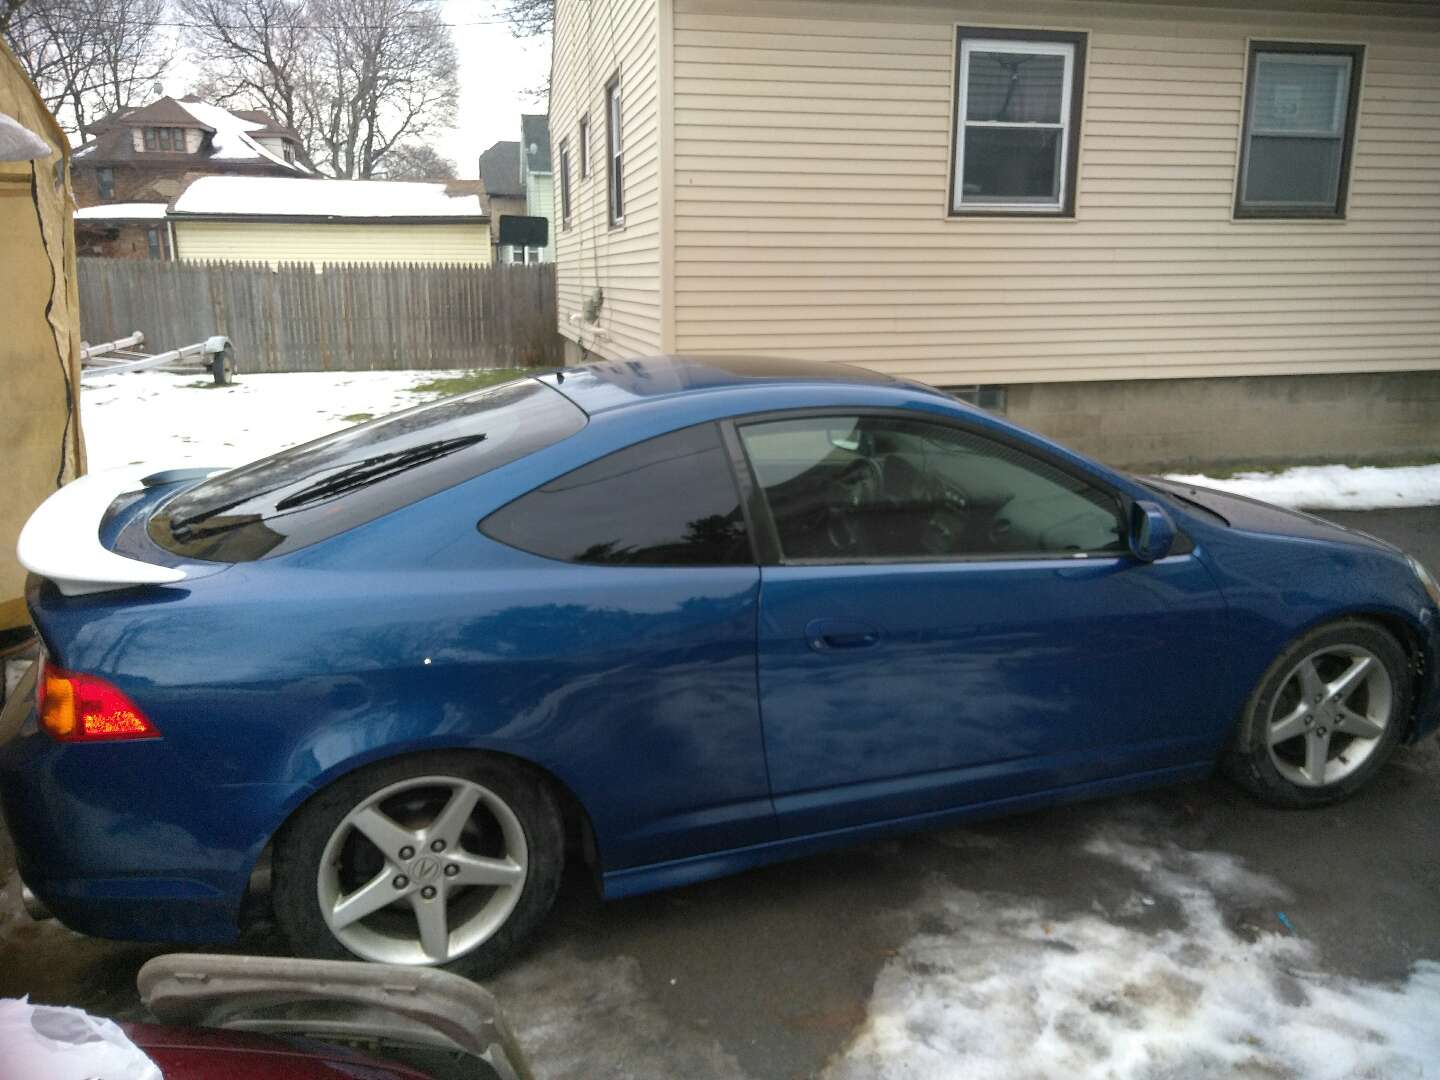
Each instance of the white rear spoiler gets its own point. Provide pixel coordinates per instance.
(61, 541)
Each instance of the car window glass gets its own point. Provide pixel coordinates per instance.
(669, 501)
(319, 489)
(851, 488)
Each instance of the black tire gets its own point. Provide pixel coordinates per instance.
(1248, 761)
(301, 842)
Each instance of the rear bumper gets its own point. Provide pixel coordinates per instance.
(119, 841)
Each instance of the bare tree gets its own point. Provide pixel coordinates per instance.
(254, 54)
(90, 58)
(528, 18)
(8, 10)
(386, 75)
(354, 78)
(414, 161)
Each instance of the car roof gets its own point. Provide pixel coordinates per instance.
(615, 384)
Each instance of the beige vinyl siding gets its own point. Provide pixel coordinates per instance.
(812, 152)
(458, 243)
(594, 39)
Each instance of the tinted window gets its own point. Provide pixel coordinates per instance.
(863, 487)
(670, 501)
(310, 492)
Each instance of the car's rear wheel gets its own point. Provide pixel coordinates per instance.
(431, 860)
(1325, 717)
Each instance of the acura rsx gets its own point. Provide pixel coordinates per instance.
(677, 618)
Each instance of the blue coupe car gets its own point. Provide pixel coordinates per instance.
(677, 618)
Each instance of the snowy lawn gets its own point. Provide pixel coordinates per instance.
(153, 418)
(1333, 487)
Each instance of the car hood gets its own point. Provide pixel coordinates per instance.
(1252, 515)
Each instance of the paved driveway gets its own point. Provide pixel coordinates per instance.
(1143, 934)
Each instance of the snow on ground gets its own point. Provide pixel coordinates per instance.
(996, 987)
(1175, 982)
(168, 421)
(1333, 487)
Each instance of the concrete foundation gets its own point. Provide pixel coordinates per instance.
(1225, 422)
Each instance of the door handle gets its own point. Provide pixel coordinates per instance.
(827, 635)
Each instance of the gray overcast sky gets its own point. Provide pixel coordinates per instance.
(497, 75)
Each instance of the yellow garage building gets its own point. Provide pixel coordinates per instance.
(283, 220)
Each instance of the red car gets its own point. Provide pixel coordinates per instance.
(262, 1018)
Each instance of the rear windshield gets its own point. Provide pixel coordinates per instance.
(314, 491)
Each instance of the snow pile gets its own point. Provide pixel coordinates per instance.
(1333, 487)
(280, 196)
(169, 421)
(1004, 990)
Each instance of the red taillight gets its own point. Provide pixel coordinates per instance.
(82, 708)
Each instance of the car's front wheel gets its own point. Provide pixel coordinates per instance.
(1325, 717)
(429, 860)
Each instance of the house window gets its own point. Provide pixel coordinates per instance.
(157, 239)
(514, 255)
(565, 182)
(1017, 122)
(164, 138)
(105, 181)
(585, 147)
(614, 152)
(289, 150)
(1300, 104)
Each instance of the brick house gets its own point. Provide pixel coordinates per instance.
(137, 161)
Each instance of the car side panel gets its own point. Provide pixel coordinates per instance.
(635, 687)
(1278, 587)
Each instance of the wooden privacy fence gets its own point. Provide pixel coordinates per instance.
(346, 318)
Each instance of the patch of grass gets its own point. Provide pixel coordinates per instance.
(359, 417)
(471, 380)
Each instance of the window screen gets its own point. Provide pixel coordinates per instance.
(858, 488)
(670, 501)
(1299, 128)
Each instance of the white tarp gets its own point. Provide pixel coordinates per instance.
(54, 1043)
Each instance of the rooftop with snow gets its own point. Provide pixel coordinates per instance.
(280, 197)
(125, 211)
(248, 139)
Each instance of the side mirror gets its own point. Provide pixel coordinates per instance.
(1152, 533)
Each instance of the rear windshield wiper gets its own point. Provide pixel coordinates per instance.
(363, 473)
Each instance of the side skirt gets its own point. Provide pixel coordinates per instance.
(633, 881)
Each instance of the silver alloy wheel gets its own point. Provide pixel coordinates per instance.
(403, 881)
(1329, 715)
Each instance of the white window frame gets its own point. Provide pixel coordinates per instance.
(1000, 43)
(615, 152)
(528, 255)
